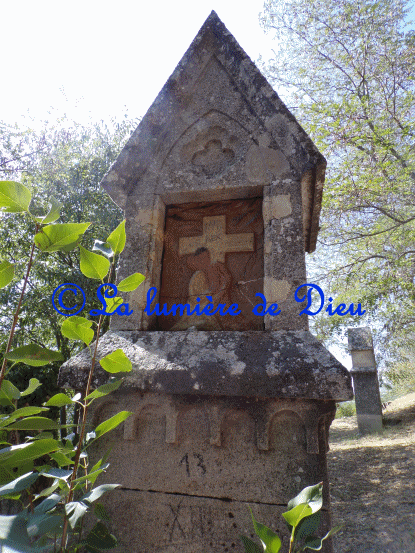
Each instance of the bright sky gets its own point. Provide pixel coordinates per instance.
(94, 59)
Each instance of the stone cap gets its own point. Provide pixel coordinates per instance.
(269, 364)
(363, 370)
(360, 338)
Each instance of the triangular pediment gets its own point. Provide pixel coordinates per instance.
(218, 123)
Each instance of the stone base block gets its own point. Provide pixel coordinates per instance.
(368, 403)
(153, 522)
(246, 450)
(190, 465)
(369, 423)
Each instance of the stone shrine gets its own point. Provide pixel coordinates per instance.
(221, 189)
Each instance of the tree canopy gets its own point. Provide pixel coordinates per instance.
(66, 161)
(347, 70)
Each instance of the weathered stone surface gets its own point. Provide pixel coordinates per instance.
(285, 364)
(207, 457)
(236, 448)
(363, 360)
(191, 524)
(368, 403)
(360, 338)
(365, 380)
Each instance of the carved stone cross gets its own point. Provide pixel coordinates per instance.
(215, 239)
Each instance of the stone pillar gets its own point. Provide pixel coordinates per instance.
(221, 420)
(365, 380)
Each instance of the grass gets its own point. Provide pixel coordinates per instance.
(345, 409)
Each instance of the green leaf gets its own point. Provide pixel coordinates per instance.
(56, 237)
(100, 512)
(70, 247)
(58, 400)
(61, 459)
(315, 544)
(116, 362)
(14, 529)
(53, 213)
(33, 423)
(103, 247)
(97, 492)
(47, 504)
(104, 390)
(23, 468)
(44, 435)
(76, 510)
(270, 541)
(78, 328)
(9, 451)
(34, 355)
(99, 466)
(19, 484)
(250, 546)
(6, 273)
(6, 475)
(57, 473)
(5, 401)
(100, 538)
(34, 384)
(131, 283)
(297, 513)
(93, 265)
(27, 452)
(308, 526)
(101, 463)
(43, 523)
(307, 502)
(91, 477)
(47, 491)
(9, 390)
(22, 412)
(113, 303)
(14, 197)
(111, 423)
(117, 238)
(312, 495)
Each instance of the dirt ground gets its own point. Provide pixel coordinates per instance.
(373, 483)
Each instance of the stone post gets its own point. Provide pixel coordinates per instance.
(365, 380)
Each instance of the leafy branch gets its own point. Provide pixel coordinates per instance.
(57, 512)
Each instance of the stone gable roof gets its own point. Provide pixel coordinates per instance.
(159, 126)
